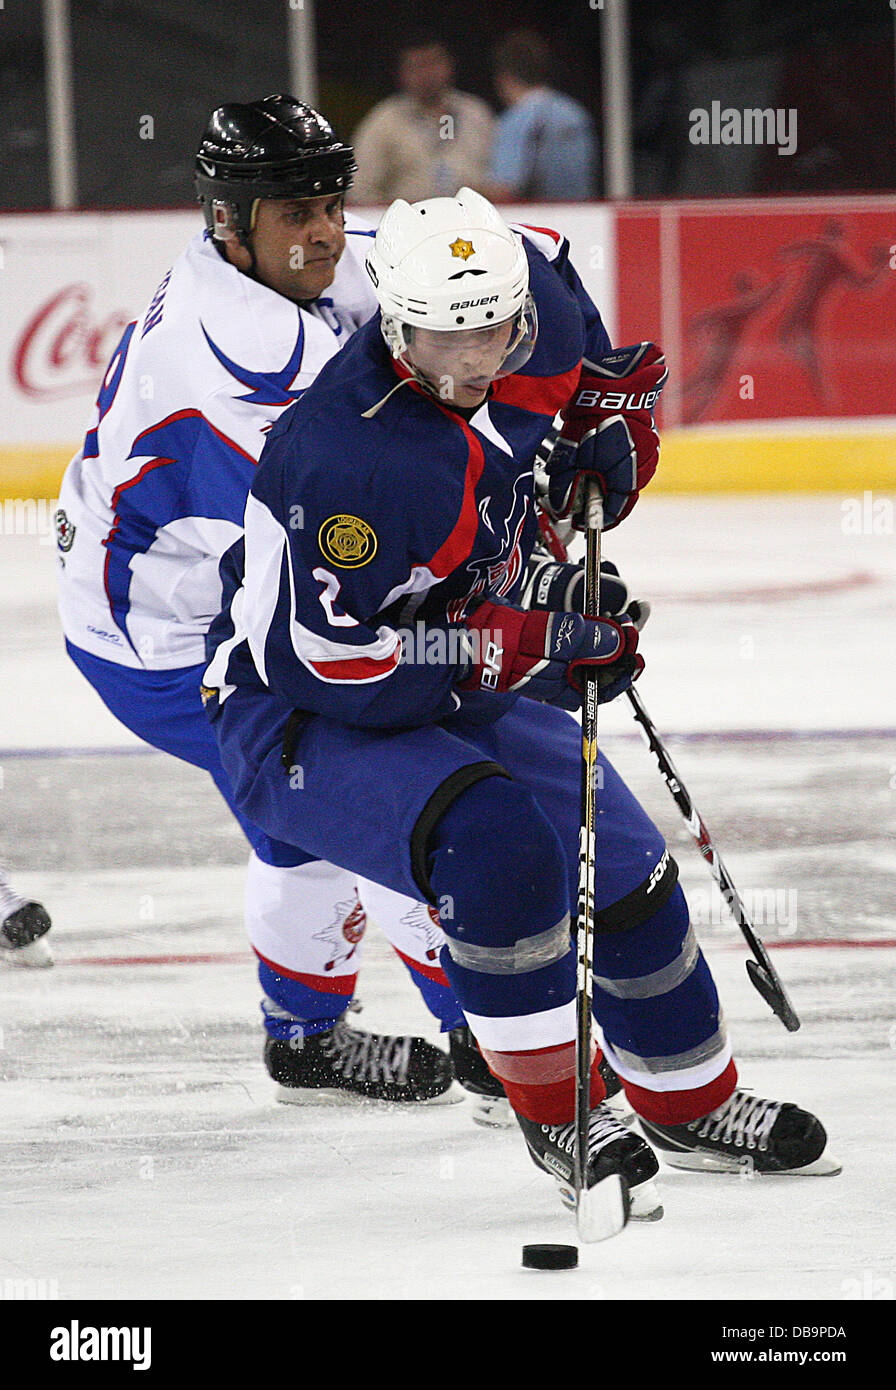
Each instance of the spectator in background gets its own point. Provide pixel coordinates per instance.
(545, 146)
(426, 141)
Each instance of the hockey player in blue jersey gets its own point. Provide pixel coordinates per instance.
(381, 700)
(238, 328)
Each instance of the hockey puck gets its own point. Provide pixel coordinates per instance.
(550, 1256)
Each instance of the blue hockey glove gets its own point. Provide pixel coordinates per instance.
(559, 586)
(608, 434)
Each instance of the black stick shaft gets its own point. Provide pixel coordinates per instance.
(766, 980)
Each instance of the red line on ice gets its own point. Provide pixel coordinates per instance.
(238, 957)
(807, 588)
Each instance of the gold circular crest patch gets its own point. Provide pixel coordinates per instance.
(347, 541)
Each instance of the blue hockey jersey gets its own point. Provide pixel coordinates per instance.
(380, 516)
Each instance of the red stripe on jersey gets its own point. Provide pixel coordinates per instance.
(459, 544)
(137, 478)
(681, 1107)
(357, 668)
(116, 497)
(544, 395)
(193, 415)
(430, 972)
(548, 231)
(327, 984)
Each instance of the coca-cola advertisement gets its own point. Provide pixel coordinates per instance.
(65, 343)
(70, 284)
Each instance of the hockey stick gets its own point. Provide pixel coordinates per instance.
(762, 973)
(602, 1210)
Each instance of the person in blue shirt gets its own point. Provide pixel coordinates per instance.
(544, 146)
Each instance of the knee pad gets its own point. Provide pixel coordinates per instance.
(642, 902)
(496, 870)
(646, 941)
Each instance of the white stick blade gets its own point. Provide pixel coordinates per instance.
(602, 1210)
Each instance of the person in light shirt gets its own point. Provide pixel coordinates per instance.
(428, 139)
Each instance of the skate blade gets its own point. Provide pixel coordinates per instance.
(335, 1096)
(492, 1112)
(36, 954)
(603, 1209)
(645, 1203)
(824, 1166)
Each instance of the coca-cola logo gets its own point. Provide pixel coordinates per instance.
(65, 345)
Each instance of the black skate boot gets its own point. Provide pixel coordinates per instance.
(375, 1065)
(612, 1149)
(22, 924)
(491, 1106)
(615, 1100)
(748, 1134)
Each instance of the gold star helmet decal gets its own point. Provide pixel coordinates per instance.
(462, 249)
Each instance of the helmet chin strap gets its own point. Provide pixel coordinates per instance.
(233, 232)
(246, 242)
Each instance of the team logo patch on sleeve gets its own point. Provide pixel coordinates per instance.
(65, 531)
(347, 541)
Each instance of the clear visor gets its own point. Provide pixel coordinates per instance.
(465, 354)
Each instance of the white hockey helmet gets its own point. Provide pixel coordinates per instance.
(450, 265)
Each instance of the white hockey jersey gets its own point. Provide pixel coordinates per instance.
(157, 493)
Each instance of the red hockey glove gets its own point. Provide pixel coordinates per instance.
(541, 654)
(608, 434)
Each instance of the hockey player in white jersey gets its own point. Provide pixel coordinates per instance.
(237, 329)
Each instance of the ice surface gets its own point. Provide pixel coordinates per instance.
(143, 1154)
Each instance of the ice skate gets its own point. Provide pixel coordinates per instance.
(377, 1066)
(747, 1133)
(490, 1106)
(23, 926)
(611, 1149)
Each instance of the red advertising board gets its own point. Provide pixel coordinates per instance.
(771, 310)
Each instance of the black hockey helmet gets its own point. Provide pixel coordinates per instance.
(274, 148)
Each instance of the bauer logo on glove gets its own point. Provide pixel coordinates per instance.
(608, 435)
